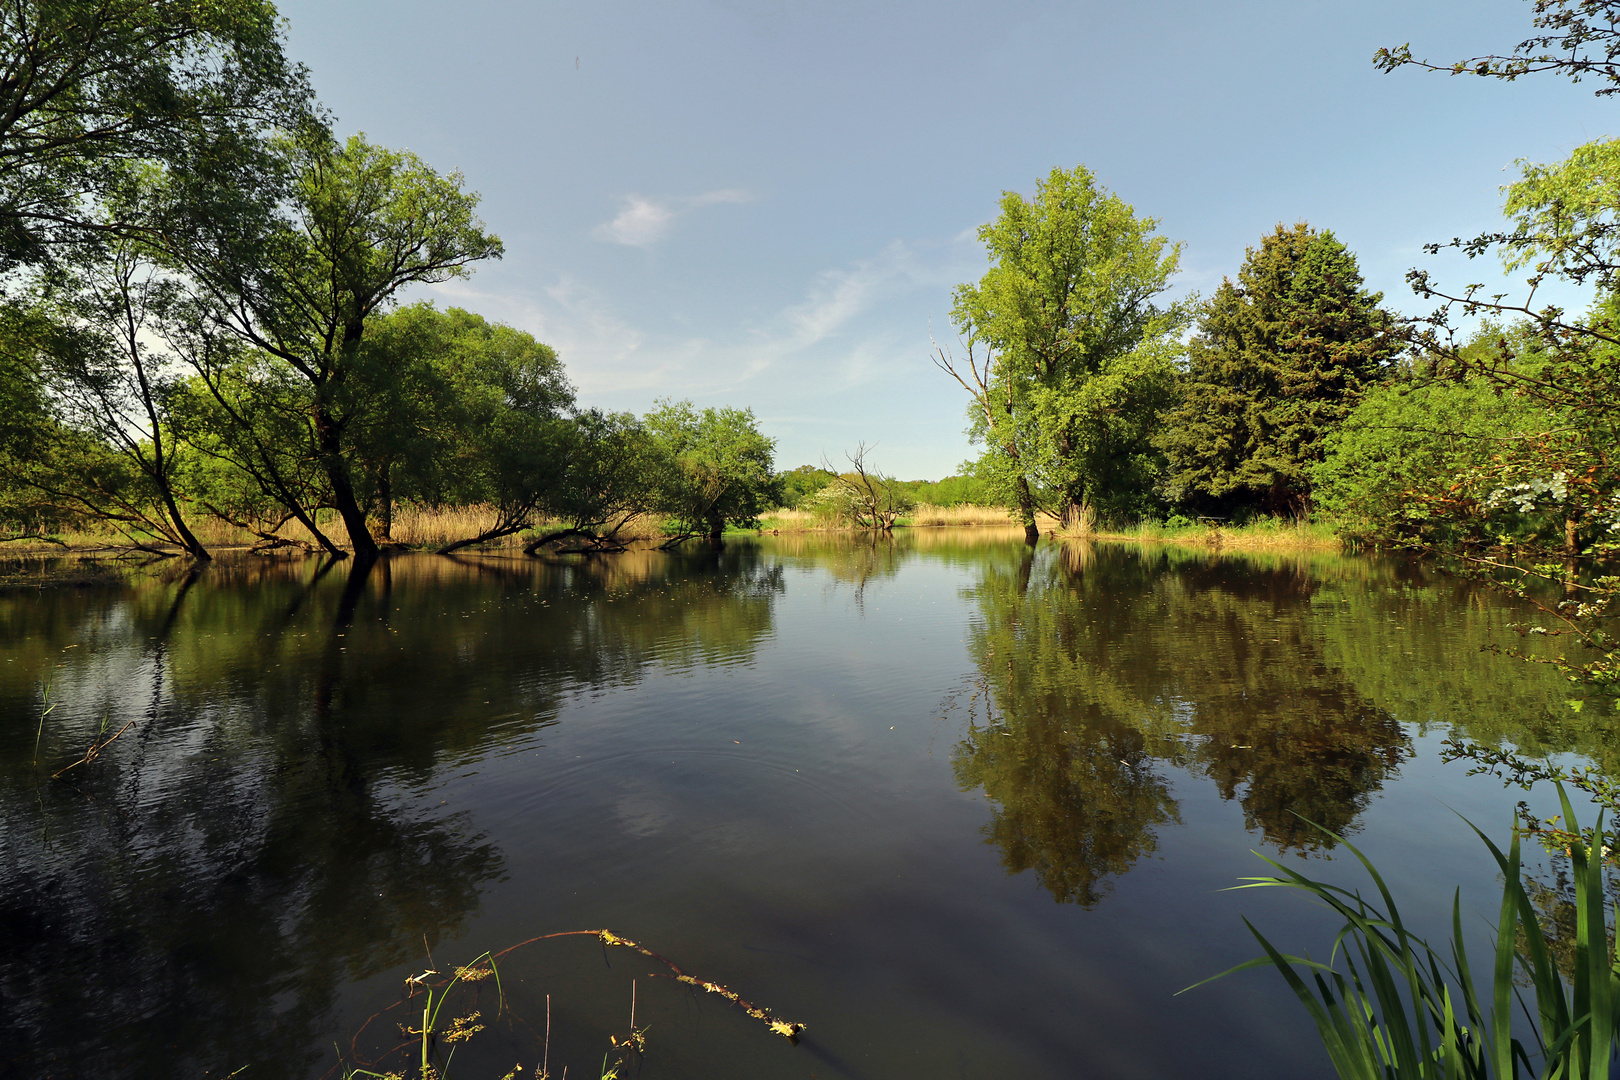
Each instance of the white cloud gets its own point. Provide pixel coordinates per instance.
(644, 221)
(640, 223)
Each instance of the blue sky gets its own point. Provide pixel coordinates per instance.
(767, 204)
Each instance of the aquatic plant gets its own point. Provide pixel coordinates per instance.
(461, 1022)
(1399, 1009)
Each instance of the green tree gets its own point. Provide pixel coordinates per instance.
(109, 374)
(90, 88)
(1281, 357)
(609, 475)
(462, 411)
(1565, 222)
(248, 420)
(363, 223)
(98, 98)
(29, 428)
(1077, 349)
(803, 482)
(1414, 436)
(951, 491)
(716, 467)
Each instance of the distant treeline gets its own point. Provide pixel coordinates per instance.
(201, 318)
(1291, 390)
(800, 486)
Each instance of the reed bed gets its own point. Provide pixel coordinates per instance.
(428, 528)
(927, 516)
(1261, 534)
(1390, 1006)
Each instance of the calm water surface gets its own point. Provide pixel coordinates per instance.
(963, 809)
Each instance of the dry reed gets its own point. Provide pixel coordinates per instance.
(1257, 535)
(429, 528)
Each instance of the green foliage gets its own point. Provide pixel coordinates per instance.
(715, 469)
(1502, 514)
(960, 490)
(1280, 358)
(248, 420)
(29, 430)
(459, 410)
(1079, 354)
(91, 90)
(1096, 437)
(608, 475)
(363, 222)
(1564, 216)
(802, 486)
(799, 484)
(1400, 1008)
(1418, 433)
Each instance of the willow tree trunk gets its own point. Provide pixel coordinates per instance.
(1026, 511)
(385, 504)
(188, 539)
(328, 436)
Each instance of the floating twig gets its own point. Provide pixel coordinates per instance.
(95, 749)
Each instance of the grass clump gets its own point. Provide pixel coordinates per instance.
(1397, 1008)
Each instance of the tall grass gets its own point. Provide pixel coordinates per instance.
(926, 516)
(1267, 532)
(428, 528)
(1400, 1009)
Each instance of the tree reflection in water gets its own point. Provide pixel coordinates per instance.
(264, 834)
(1099, 668)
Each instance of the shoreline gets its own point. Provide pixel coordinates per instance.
(1248, 538)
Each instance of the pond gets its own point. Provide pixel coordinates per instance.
(962, 808)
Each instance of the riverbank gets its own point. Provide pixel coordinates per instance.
(1262, 534)
(426, 529)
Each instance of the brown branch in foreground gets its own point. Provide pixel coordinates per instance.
(785, 1028)
(95, 748)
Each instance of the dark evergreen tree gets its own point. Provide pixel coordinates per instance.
(1281, 357)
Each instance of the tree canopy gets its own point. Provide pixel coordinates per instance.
(364, 222)
(91, 89)
(1078, 349)
(717, 467)
(1280, 358)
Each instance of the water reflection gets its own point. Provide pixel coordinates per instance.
(264, 832)
(1102, 668)
(284, 817)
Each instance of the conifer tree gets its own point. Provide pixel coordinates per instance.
(1281, 357)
